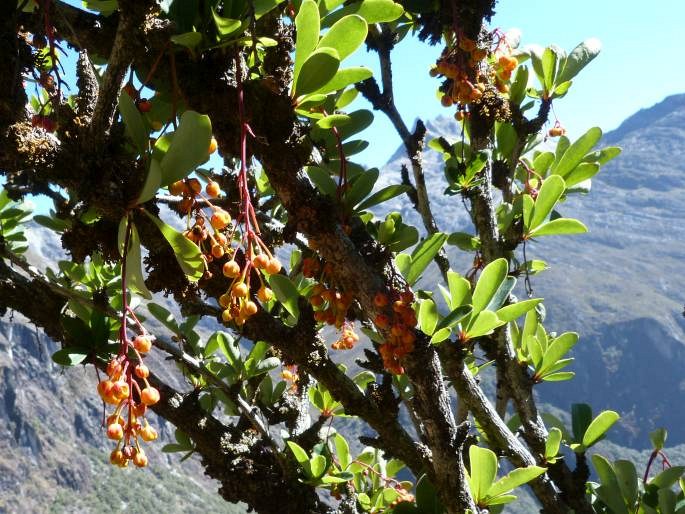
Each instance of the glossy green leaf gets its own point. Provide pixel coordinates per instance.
(186, 252)
(307, 34)
(483, 324)
(553, 443)
(576, 152)
(464, 241)
(373, 11)
(579, 57)
(599, 426)
(361, 186)
(549, 68)
(286, 293)
(658, 438)
(518, 309)
(440, 335)
(134, 268)
(69, 356)
(299, 452)
(428, 316)
(226, 27)
(514, 479)
(668, 477)
(559, 226)
(489, 282)
(552, 189)
(319, 68)
(134, 122)
(346, 35)
(483, 471)
(322, 180)
(610, 491)
(153, 182)
(342, 450)
(383, 195)
(455, 316)
(460, 289)
(560, 346)
(261, 7)
(581, 417)
(317, 466)
(333, 120)
(345, 77)
(582, 172)
(189, 147)
(187, 39)
(626, 476)
(422, 256)
(559, 376)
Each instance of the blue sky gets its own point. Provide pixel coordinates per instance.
(638, 67)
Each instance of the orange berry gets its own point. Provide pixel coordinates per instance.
(148, 433)
(382, 321)
(273, 266)
(380, 300)
(120, 390)
(142, 371)
(149, 395)
(250, 308)
(316, 300)
(117, 457)
(407, 297)
(114, 418)
(140, 459)
(265, 294)
(231, 269)
(142, 344)
(217, 251)
(260, 261)
(212, 189)
(178, 188)
(213, 145)
(115, 431)
(226, 315)
(140, 409)
(105, 388)
(220, 219)
(239, 290)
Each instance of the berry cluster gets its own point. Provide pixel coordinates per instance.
(460, 66)
(127, 423)
(400, 325)
(330, 304)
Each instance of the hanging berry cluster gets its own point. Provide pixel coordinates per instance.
(400, 326)
(330, 304)
(122, 388)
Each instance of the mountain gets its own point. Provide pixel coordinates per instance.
(621, 286)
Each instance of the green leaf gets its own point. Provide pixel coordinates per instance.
(559, 376)
(186, 252)
(464, 241)
(317, 465)
(549, 68)
(134, 122)
(153, 182)
(286, 293)
(559, 226)
(342, 450)
(552, 189)
(383, 195)
(559, 347)
(344, 77)
(581, 417)
(261, 7)
(52, 222)
(658, 438)
(346, 35)
(516, 310)
(422, 256)
(189, 147)
(322, 180)
(514, 479)
(460, 289)
(134, 269)
(187, 39)
(361, 186)
(319, 68)
(483, 471)
(226, 27)
(440, 335)
(483, 324)
(552, 444)
(575, 153)
(668, 477)
(333, 120)
(626, 475)
(610, 491)
(428, 316)
(455, 316)
(299, 452)
(582, 172)
(70, 356)
(599, 427)
(307, 28)
(489, 282)
(579, 57)
(164, 317)
(373, 11)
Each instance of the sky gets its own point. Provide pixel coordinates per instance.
(639, 64)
